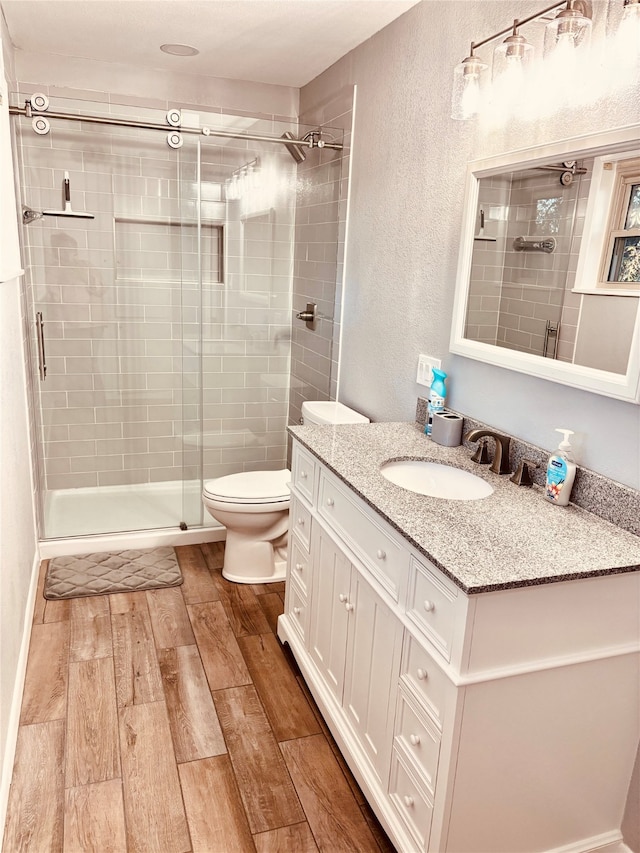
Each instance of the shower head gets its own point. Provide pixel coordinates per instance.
(296, 151)
(29, 215)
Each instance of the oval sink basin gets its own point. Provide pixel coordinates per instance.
(438, 481)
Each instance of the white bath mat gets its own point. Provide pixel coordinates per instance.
(111, 572)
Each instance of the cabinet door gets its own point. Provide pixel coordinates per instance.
(329, 616)
(371, 671)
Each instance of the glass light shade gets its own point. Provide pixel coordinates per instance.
(511, 57)
(467, 88)
(569, 30)
(622, 51)
(628, 35)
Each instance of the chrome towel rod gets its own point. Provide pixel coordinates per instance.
(28, 112)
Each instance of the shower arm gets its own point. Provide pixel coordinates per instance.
(312, 141)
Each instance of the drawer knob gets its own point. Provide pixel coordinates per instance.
(301, 522)
(296, 610)
(303, 475)
(408, 801)
(299, 567)
(422, 674)
(415, 740)
(329, 501)
(348, 607)
(380, 554)
(342, 598)
(429, 606)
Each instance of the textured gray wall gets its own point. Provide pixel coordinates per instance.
(408, 168)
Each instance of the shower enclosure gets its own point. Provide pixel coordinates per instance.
(161, 326)
(524, 259)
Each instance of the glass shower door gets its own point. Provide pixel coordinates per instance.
(107, 295)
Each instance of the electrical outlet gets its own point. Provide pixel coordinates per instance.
(425, 365)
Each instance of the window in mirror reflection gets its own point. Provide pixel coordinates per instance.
(621, 262)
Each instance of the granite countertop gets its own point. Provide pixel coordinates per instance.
(510, 539)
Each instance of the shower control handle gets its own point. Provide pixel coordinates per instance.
(42, 360)
(308, 316)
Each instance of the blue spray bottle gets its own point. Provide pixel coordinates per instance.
(437, 395)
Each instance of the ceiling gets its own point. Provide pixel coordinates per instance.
(286, 42)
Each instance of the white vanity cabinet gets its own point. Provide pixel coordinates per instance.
(354, 640)
(501, 722)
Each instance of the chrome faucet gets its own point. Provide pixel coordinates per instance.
(500, 464)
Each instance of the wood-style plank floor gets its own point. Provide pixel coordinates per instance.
(173, 721)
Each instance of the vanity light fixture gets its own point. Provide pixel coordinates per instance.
(571, 27)
(243, 180)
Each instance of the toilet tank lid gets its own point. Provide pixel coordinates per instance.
(331, 412)
(251, 485)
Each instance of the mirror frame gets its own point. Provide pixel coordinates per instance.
(621, 386)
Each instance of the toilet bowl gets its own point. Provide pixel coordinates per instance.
(254, 507)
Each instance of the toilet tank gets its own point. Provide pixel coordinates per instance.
(330, 412)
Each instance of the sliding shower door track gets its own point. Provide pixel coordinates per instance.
(28, 112)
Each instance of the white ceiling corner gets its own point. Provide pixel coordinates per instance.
(283, 42)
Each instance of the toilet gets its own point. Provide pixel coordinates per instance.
(254, 507)
(330, 412)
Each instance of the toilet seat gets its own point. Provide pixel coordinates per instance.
(250, 487)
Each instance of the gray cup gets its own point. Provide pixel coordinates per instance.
(447, 429)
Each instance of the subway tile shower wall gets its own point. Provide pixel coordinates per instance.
(147, 373)
(514, 293)
(319, 253)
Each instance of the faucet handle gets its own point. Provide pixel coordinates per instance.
(481, 455)
(523, 475)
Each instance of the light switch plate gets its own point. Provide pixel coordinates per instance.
(425, 365)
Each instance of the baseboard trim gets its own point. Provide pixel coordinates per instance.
(18, 689)
(607, 842)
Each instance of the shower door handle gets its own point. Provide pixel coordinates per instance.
(42, 360)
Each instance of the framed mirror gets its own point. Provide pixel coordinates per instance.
(549, 267)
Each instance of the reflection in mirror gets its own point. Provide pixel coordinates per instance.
(549, 272)
(523, 271)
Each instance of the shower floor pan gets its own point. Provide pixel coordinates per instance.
(116, 509)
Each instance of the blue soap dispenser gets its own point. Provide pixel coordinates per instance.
(561, 472)
(437, 395)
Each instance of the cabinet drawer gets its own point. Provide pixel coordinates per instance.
(297, 609)
(300, 565)
(366, 534)
(411, 803)
(304, 470)
(419, 739)
(426, 680)
(432, 606)
(300, 522)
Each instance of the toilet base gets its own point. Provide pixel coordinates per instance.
(279, 574)
(248, 560)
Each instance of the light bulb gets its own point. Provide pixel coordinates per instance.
(512, 57)
(628, 35)
(467, 87)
